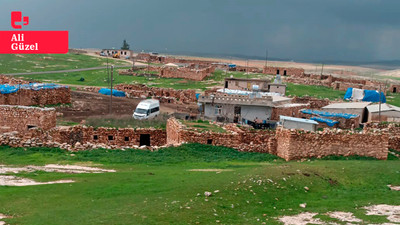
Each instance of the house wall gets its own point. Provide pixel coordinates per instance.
(281, 89)
(359, 112)
(246, 85)
(298, 125)
(289, 71)
(253, 112)
(390, 116)
(18, 118)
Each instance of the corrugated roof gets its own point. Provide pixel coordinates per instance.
(347, 105)
(384, 108)
(300, 120)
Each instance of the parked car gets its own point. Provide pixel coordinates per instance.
(147, 109)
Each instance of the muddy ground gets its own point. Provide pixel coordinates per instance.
(89, 104)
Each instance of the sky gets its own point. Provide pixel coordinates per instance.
(299, 30)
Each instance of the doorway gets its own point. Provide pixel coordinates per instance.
(237, 112)
(144, 140)
(394, 90)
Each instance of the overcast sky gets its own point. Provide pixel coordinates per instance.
(302, 30)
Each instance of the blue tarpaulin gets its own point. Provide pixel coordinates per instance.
(369, 95)
(373, 96)
(197, 95)
(329, 122)
(348, 94)
(8, 89)
(116, 93)
(329, 114)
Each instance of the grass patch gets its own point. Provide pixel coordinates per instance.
(159, 188)
(314, 91)
(100, 78)
(202, 126)
(127, 122)
(16, 63)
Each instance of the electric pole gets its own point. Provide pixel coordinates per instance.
(111, 88)
(380, 101)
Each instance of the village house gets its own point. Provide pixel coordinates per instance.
(237, 108)
(262, 85)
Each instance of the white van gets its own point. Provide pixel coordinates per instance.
(147, 109)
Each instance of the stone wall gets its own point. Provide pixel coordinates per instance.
(164, 94)
(292, 110)
(83, 138)
(187, 73)
(284, 71)
(192, 72)
(11, 80)
(30, 97)
(23, 118)
(122, 137)
(295, 144)
(234, 137)
(315, 103)
(394, 88)
(288, 144)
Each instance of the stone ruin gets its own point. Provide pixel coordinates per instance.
(30, 96)
(36, 127)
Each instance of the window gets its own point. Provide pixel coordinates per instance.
(110, 137)
(209, 141)
(156, 109)
(95, 137)
(126, 138)
(218, 110)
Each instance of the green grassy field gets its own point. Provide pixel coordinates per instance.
(314, 91)
(99, 78)
(15, 63)
(159, 188)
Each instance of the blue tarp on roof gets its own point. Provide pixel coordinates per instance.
(116, 93)
(232, 65)
(373, 96)
(8, 89)
(329, 122)
(348, 94)
(329, 114)
(369, 95)
(197, 96)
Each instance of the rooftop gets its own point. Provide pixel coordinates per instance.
(300, 120)
(347, 105)
(384, 108)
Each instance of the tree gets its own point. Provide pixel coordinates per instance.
(125, 45)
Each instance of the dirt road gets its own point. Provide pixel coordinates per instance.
(88, 104)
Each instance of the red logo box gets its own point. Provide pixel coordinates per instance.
(33, 42)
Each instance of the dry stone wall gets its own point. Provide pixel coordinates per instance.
(164, 94)
(22, 118)
(295, 144)
(30, 97)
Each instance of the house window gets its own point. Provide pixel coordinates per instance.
(95, 137)
(218, 110)
(110, 137)
(126, 138)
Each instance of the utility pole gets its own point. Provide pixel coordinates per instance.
(322, 69)
(380, 101)
(111, 88)
(266, 57)
(108, 75)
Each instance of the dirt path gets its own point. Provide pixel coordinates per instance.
(87, 104)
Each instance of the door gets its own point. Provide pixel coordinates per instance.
(144, 140)
(237, 112)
